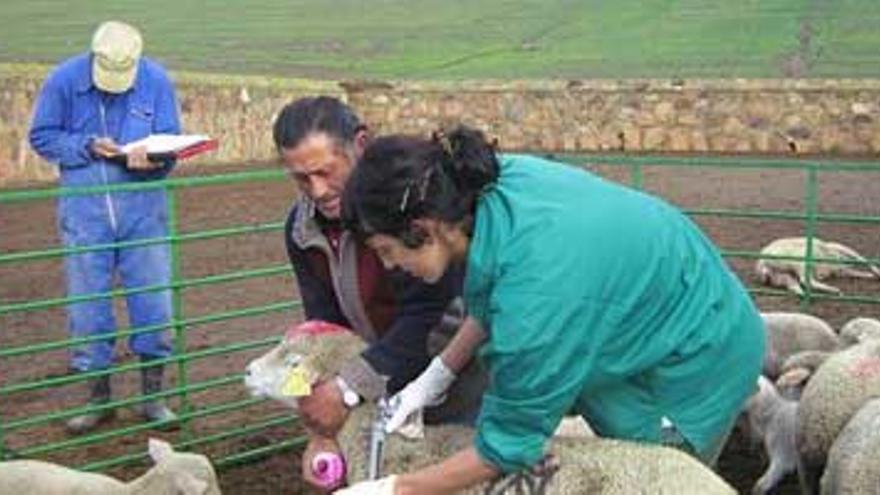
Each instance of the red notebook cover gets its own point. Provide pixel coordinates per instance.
(172, 152)
(195, 149)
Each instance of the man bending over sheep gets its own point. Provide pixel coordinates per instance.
(343, 281)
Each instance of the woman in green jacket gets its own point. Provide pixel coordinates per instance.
(593, 297)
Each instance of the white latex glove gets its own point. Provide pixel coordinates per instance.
(427, 390)
(381, 486)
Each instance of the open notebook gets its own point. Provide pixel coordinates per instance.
(172, 146)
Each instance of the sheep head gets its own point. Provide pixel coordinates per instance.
(185, 473)
(308, 353)
(859, 330)
(791, 383)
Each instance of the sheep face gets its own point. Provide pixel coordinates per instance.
(778, 275)
(267, 375)
(186, 473)
(791, 383)
(859, 330)
(308, 353)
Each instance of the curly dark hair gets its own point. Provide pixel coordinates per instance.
(401, 178)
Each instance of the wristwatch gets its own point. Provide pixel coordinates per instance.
(349, 397)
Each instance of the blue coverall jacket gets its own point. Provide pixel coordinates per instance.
(71, 112)
(606, 301)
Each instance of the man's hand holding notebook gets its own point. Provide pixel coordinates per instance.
(160, 147)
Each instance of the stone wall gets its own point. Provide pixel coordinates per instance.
(717, 116)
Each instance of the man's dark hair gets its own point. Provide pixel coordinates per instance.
(402, 178)
(322, 114)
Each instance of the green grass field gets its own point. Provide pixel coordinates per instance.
(450, 39)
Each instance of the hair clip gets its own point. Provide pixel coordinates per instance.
(405, 197)
(423, 184)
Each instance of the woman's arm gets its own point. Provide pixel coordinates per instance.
(461, 348)
(462, 470)
(430, 387)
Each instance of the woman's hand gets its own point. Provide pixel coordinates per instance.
(323, 411)
(427, 390)
(463, 469)
(381, 486)
(430, 387)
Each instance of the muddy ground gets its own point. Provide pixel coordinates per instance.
(31, 226)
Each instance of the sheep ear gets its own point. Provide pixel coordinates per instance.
(159, 449)
(190, 485)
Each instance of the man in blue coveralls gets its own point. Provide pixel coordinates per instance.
(89, 107)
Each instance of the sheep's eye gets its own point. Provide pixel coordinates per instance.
(292, 360)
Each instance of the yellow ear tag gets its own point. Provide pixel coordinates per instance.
(297, 383)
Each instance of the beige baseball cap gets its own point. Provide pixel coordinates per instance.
(116, 50)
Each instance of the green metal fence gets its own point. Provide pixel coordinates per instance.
(220, 320)
(34, 404)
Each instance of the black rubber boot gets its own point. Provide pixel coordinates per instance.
(99, 394)
(152, 379)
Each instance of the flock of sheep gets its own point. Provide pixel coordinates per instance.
(817, 403)
(821, 420)
(585, 463)
(816, 411)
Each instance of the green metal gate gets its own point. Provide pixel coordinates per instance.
(34, 430)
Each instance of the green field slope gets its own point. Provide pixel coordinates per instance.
(450, 39)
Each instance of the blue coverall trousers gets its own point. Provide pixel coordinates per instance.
(103, 219)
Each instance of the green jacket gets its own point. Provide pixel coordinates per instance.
(605, 300)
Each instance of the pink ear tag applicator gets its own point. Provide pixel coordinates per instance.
(329, 469)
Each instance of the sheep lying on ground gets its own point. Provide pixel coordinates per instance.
(772, 418)
(859, 330)
(174, 473)
(854, 459)
(791, 333)
(791, 274)
(839, 388)
(580, 465)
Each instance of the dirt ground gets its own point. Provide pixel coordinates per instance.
(31, 226)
